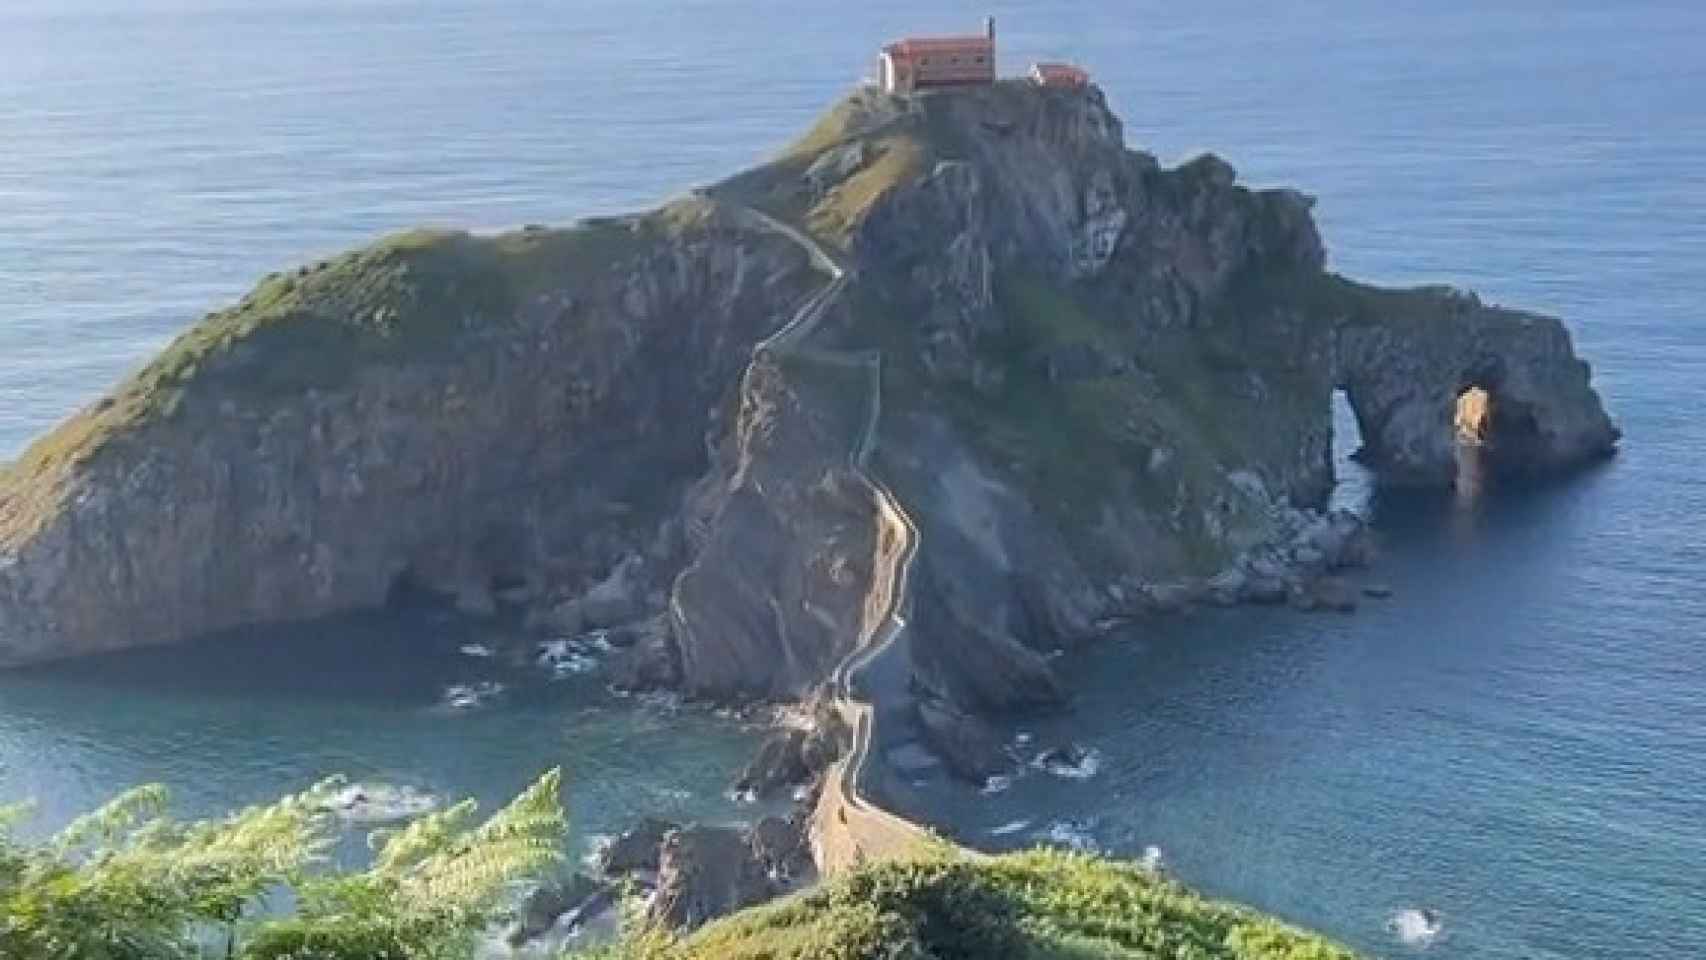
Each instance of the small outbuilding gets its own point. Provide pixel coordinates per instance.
(1065, 76)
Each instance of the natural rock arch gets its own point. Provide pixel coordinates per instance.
(1405, 357)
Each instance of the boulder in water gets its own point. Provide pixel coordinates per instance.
(636, 848)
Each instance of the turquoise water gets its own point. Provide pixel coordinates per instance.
(1513, 739)
(226, 724)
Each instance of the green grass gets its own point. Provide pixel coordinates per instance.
(1042, 905)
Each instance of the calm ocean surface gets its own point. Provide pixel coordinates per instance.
(1516, 739)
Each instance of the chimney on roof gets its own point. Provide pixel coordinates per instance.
(989, 29)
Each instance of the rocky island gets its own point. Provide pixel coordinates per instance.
(956, 381)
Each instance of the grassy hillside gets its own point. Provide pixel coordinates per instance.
(1043, 905)
(412, 297)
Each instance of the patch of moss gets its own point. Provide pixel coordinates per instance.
(1042, 905)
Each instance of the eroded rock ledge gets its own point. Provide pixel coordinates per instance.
(1098, 376)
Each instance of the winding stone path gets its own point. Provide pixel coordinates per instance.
(848, 827)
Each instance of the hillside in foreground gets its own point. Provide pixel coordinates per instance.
(1042, 905)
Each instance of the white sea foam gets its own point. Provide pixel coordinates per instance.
(1417, 928)
(1072, 834)
(1087, 764)
(475, 650)
(565, 658)
(468, 696)
(596, 844)
(1010, 828)
(997, 784)
(379, 803)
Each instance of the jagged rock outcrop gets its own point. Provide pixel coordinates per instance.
(706, 872)
(1090, 381)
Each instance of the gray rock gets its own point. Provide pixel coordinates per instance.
(648, 664)
(780, 763)
(1308, 556)
(835, 165)
(1169, 598)
(562, 619)
(911, 759)
(1326, 593)
(1074, 362)
(781, 845)
(1227, 588)
(546, 904)
(969, 748)
(636, 848)
(475, 600)
(1265, 590)
(615, 600)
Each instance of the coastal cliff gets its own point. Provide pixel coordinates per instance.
(1089, 380)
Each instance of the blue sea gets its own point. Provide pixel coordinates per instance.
(1516, 739)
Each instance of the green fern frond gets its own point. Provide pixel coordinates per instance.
(114, 819)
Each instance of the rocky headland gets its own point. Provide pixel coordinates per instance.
(958, 370)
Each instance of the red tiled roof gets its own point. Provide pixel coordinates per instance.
(920, 45)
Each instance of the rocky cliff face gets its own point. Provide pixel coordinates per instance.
(1084, 376)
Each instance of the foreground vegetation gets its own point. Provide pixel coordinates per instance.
(1042, 905)
(127, 882)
